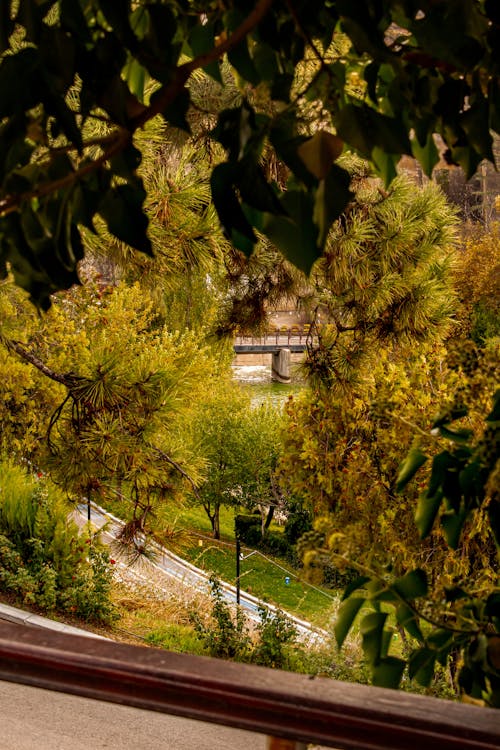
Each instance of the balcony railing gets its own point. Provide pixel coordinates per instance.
(278, 704)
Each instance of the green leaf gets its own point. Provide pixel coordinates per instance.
(412, 463)
(135, 76)
(450, 415)
(227, 205)
(176, 112)
(202, 40)
(407, 618)
(19, 81)
(385, 164)
(319, 152)
(461, 436)
(240, 59)
(345, 618)
(372, 632)
(421, 666)
(73, 20)
(427, 510)
(452, 524)
(295, 235)
(6, 25)
(388, 672)
(331, 199)
(353, 586)
(427, 155)
(364, 129)
(494, 415)
(121, 209)
(412, 585)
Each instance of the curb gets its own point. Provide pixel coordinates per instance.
(19, 616)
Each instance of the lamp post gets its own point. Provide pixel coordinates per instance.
(238, 558)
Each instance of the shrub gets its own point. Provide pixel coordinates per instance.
(224, 636)
(44, 560)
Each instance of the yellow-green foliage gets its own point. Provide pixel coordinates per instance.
(477, 281)
(342, 456)
(44, 559)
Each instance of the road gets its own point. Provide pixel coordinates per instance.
(175, 567)
(34, 719)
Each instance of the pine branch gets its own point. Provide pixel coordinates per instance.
(161, 454)
(29, 356)
(163, 98)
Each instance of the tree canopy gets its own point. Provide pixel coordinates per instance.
(79, 79)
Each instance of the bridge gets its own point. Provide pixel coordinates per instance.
(281, 343)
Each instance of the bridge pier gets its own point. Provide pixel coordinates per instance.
(280, 366)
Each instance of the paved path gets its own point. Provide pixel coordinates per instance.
(174, 567)
(34, 719)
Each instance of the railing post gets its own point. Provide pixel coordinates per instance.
(278, 743)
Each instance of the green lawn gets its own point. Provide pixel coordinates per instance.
(190, 537)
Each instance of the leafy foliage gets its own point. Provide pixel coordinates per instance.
(44, 560)
(463, 485)
(382, 75)
(120, 427)
(227, 634)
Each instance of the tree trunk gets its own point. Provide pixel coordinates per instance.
(215, 521)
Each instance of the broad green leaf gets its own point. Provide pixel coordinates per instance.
(427, 510)
(412, 463)
(121, 209)
(372, 632)
(296, 234)
(441, 464)
(19, 80)
(427, 155)
(227, 205)
(452, 524)
(408, 620)
(421, 666)
(240, 59)
(353, 586)
(494, 415)
(364, 129)
(493, 651)
(345, 618)
(319, 152)
(388, 672)
(494, 519)
(264, 59)
(73, 20)
(201, 41)
(412, 585)
(461, 436)
(6, 25)
(331, 199)
(136, 76)
(449, 416)
(386, 164)
(176, 112)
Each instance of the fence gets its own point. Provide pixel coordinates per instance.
(278, 704)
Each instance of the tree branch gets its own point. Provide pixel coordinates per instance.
(29, 356)
(162, 99)
(167, 93)
(181, 471)
(118, 142)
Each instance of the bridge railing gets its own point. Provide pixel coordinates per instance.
(278, 704)
(278, 336)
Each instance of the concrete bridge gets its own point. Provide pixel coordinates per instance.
(280, 343)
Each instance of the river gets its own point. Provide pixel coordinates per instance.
(257, 379)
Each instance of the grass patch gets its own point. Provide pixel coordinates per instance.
(264, 578)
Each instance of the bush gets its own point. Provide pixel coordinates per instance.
(44, 560)
(225, 636)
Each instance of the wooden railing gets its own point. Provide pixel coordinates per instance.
(271, 702)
